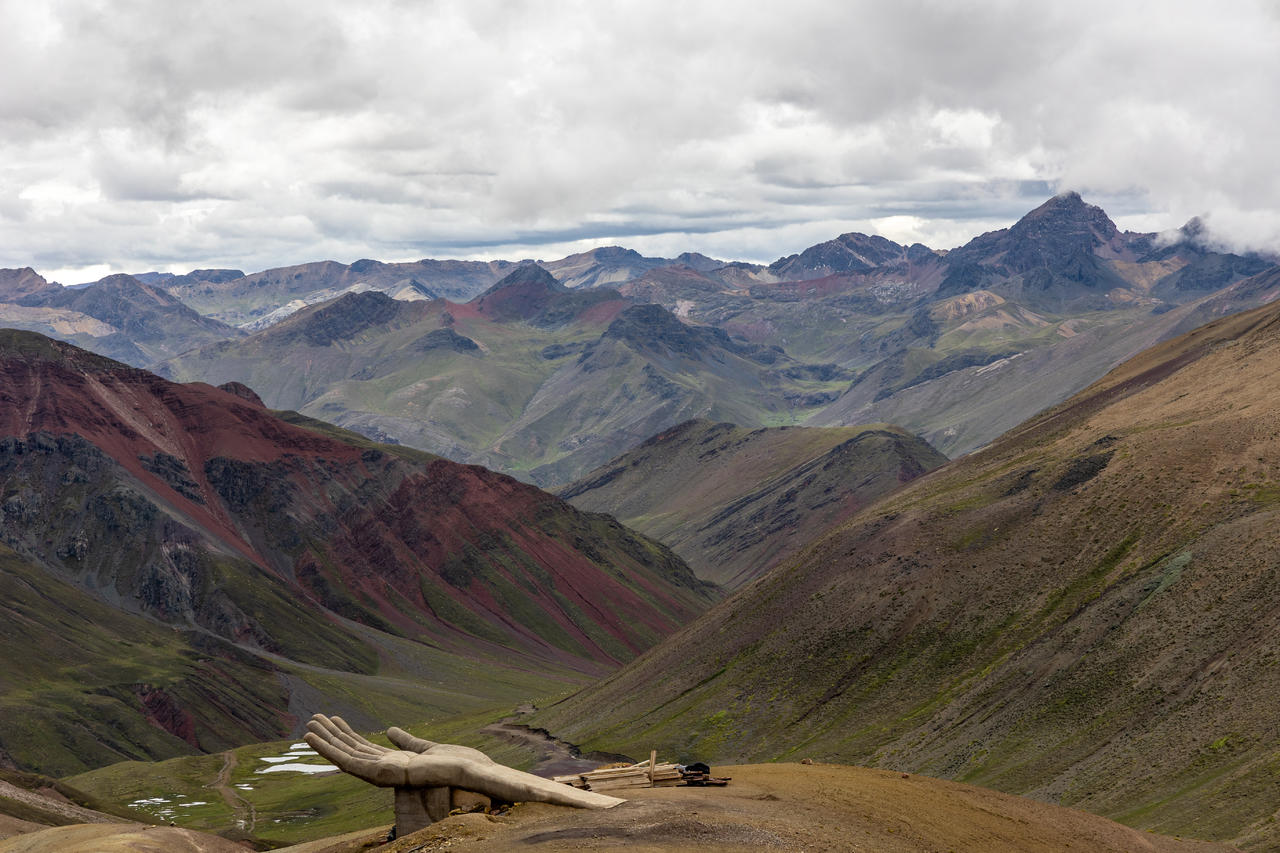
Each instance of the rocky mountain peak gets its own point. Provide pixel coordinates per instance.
(524, 276)
(244, 392)
(215, 276)
(1059, 244)
(15, 283)
(366, 265)
(615, 253)
(1193, 231)
(522, 294)
(345, 317)
(1068, 214)
(652, 326)
(120, 281)
(698, 261)
(852, 252)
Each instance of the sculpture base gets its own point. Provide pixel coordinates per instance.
(420, 807)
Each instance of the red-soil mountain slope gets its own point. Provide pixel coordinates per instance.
(532, 295)
(197, 507)
(1086, 612)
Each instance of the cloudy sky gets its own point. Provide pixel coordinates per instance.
(139, 135)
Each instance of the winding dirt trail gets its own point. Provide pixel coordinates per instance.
(245, 815)
(556, 757)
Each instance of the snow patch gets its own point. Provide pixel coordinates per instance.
(295, 305)
(297, 768)
(996, 365)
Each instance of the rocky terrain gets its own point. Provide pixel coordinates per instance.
(119, 316)
(261, 299)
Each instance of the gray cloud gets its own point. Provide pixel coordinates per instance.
(251, 134)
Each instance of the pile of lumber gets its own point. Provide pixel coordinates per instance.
(698, 779)
(646, 774)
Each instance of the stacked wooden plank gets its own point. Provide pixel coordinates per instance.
(646, 774)
(698, 779)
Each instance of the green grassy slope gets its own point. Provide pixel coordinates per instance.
(1083, 612)
(76, 671)
(183, 572)
(277, 808)
(83, 684)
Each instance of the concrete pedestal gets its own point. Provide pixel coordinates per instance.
(419, 807)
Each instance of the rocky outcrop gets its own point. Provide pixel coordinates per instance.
(445, 339)
(244, 392)
(18, 283)
(344, 318)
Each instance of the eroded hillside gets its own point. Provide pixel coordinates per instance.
(734, 502)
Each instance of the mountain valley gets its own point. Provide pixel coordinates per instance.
(530, 378)
(1082, 612)
(228, 500)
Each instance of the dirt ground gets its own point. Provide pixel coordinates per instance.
(788, 807)
(118, 838)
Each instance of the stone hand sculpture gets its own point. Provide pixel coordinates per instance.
(427, 775)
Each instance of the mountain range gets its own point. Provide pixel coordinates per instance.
(205, 571)
(538, 369)
(120, 316)
(529, 377)
(956, 346)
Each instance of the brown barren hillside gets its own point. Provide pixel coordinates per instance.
(1087, 612)
(788, 807)
(783, 807)
(733, 502)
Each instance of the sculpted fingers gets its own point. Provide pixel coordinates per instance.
(336, 754)
(404, 740)
(384, 771)
(336, 731)
(320, 727)
(356, 740)
(420, 763)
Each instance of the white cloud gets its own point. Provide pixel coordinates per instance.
(145, 134)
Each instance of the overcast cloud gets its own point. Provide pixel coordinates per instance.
(158, 135)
